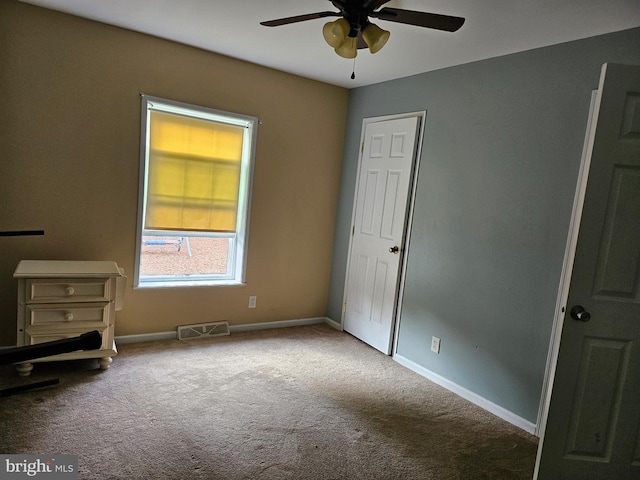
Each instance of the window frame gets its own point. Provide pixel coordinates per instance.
(239, 239)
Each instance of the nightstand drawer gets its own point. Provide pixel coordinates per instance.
(36, 337)
(69, 316)
(73, 290)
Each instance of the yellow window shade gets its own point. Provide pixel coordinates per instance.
(194, 174)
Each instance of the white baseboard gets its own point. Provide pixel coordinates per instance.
(147, 337)
(279, 324)
(482, 402)
(333, 324)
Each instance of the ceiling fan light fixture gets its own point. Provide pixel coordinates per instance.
(335, 33)
(375, 37)
(349, 48)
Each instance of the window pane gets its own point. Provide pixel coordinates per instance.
(179, 256)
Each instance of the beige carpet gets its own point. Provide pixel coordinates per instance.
(293, 403)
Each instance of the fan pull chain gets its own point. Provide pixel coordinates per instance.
(353, 73)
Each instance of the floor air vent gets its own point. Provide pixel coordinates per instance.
(201, 330)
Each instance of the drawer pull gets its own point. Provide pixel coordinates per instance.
(68, 316)
(69, 291)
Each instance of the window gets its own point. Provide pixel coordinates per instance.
(195, 183)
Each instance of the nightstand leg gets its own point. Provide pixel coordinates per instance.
(105, 362)
(24, 369)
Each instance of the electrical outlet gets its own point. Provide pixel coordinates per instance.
(253, 301)
(435, 344)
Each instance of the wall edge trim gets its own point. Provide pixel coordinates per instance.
(482, 402)
(333, 324)
(277, 324)
(148, 337)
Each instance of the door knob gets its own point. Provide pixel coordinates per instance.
(579, 313)
(394, 249)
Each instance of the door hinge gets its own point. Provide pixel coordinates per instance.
(362, 147)
(353, 230)
(344, 307)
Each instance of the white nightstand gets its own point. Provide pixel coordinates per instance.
(62, 299)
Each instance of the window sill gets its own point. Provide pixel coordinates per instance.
(188, 284)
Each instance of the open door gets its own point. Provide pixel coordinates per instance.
(383, 192)
(593, 424)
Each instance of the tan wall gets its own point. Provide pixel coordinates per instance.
(69, 159)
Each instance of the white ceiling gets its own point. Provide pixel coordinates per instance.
(231, 27)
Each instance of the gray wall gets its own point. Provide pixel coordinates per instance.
(498, 170)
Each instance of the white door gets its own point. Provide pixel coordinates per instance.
(385, 178)
(593, 425)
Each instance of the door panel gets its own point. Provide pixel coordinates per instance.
(594, 414)
(390, 205)
(595, 409)
(379, 292)
(380, 213)
(370, 196)
(618, 275)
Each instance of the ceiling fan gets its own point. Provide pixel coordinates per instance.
(354, 31)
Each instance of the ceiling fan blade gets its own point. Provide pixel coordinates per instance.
(299, 18)
(420, 19)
